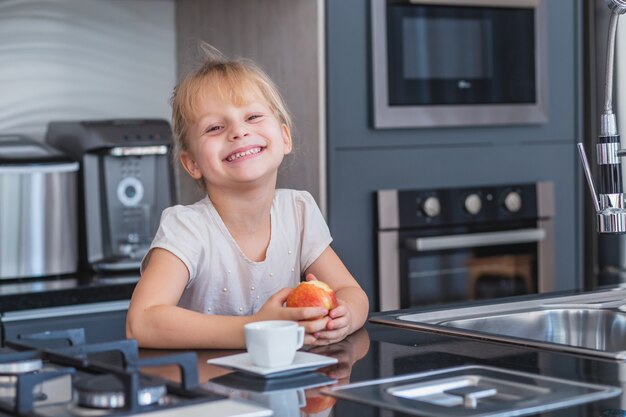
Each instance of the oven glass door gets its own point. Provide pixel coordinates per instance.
(440, 54)
(450, 273)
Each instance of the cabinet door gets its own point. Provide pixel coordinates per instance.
(101, 322)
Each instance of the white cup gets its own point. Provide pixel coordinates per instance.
(273, 343)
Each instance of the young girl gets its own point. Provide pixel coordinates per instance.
(233, 257)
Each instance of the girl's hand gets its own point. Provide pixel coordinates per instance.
(312, 327)
(337, 326)
(273, 309)
(330, 329)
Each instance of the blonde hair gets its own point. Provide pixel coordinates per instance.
(230, 80)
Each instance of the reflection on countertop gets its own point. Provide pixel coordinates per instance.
(379, 352)
(297, 395)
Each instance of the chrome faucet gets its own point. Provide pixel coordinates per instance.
(610, 203)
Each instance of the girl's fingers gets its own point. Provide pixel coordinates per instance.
(311, 277)
(309, 340)
(280, 297)
(338, 311)
(337, 323)
(334, 335)
(305, 313)
(312, 326)
(314, 313)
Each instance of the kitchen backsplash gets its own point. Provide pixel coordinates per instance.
(84, 59)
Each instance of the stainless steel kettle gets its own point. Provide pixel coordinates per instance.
(38, 210)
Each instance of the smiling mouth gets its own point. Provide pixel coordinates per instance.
(239, 155)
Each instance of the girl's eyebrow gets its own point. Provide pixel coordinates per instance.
(207, 118)
(258, 103)
(252, 105)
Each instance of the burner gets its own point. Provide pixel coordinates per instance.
(79, 381)
(8, 388)
(107, 391)
(20, 366)
(10, 371)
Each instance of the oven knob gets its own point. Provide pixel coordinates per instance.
(473, 204)
(431, 207)
(513, 202)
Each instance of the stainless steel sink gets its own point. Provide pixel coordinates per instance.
(472, 391)
(592, 323)
(589, 329)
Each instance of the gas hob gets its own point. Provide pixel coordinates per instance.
(56, 373)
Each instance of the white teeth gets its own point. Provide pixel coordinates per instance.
(238, 155)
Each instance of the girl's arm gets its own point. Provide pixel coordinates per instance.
(155, 320)
(330, 269)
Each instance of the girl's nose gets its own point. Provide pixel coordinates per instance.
(238, 132)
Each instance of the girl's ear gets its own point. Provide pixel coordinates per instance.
(190, 165)
(287, 138)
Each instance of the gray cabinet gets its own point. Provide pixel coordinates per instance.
(101, 321)
(362, 159)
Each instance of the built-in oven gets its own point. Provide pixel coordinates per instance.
(458, 62)
(453, 244)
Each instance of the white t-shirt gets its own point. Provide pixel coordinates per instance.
(222, 280)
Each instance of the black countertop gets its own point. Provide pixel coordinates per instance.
(36, 293)
(371, 353)
(378, 351)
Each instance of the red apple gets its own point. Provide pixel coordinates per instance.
(312, 294)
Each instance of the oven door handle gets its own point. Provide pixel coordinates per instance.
(471, 240)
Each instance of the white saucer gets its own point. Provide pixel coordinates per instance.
(303, 362)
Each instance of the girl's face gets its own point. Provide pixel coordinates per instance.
(235, 146)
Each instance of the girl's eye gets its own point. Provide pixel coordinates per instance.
(213, 129)
(253, 117)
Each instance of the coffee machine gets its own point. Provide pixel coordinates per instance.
(126, 180)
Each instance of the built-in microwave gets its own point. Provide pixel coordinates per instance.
(459, 62)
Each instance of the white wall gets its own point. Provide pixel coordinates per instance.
(84, 59)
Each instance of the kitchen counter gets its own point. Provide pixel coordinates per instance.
(28, 294)
(371, 353)
(379, 351)
(97, 304)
